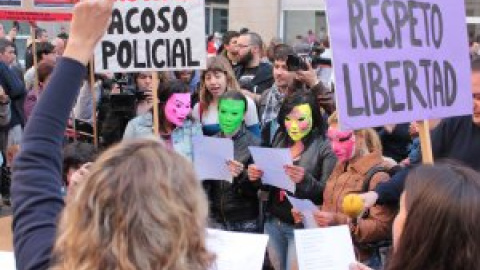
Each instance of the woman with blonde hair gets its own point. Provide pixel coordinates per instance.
(216, 80)
(139, 207)
(358, 152)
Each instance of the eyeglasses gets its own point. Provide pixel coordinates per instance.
(242, 46)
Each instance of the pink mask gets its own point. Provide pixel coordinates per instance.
(343, 144)
(177, 108)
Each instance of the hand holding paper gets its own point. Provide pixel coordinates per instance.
(272, 162)
(210, 157)
(323, 219)
(254, 173)
(303, 211)
(296, 173)
(235, 167)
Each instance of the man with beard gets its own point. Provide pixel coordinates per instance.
(253, 75)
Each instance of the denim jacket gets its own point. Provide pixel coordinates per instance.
(142, 127)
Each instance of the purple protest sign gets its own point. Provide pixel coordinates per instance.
(399, 61)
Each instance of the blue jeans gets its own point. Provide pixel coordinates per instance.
(248, 226)
(281, 244)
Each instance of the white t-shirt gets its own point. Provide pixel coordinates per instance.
(210, 117)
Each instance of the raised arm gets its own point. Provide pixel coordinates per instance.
(37, 172)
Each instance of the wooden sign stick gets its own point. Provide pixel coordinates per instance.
(94, 103)
(35, 60)
(155, 104)
(426, 142)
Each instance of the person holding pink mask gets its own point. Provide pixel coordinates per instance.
(357, 153)
(302, 131)
(175, 124)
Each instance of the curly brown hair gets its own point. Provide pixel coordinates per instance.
(140, 207)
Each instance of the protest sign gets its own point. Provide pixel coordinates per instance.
(34, 16)
(10, 3)
(27, 10)
(399, 61)
(152, 36)
(54, 4)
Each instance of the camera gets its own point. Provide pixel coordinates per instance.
(296, 63)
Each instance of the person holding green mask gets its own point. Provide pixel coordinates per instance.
(302, 130)
(234, 206)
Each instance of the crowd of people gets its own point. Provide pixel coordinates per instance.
(133, 201)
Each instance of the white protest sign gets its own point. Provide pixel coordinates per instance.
(153, 35)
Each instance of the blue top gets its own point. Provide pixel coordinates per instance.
(37, 170)
(16, 91)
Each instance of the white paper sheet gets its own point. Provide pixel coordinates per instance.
(210, 156)
(324, 248)
(271, 162)
(306, 207)
(7, 261)
(237, 251)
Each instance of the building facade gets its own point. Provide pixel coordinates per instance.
(287, 19)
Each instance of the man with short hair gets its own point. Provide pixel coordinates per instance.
(230, 50)
(458, 138)
(253, 75)
(285, 83)
(41, 35)
(15, 90)
(44, 50)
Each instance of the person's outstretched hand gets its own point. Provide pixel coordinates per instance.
(89, 23)
(369, 198)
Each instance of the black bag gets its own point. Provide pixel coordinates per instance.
(5, 183)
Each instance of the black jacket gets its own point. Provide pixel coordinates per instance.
(262, 81)
(16, 91)
(318, 160)
(237, 201)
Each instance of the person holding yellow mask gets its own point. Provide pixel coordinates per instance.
(302, 130)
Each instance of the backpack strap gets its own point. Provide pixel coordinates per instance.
(200, 111)
(369, 175)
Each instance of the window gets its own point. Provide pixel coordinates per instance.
(216, 18)
(297, 24)
(220, 20)
(207, 20)
(473, 19)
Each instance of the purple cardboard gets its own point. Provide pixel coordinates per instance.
(413, 51)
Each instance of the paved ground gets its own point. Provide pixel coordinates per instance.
(5, 229)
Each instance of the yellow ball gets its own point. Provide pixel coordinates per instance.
(352, 205)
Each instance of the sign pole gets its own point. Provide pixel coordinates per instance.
(426, 142)
(155, 103)
(34, 54)
(94, 103)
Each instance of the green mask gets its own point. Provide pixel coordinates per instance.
(230, 115)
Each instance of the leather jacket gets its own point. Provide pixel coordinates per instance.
(348, 178)
(318, 160)
(236, 201)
